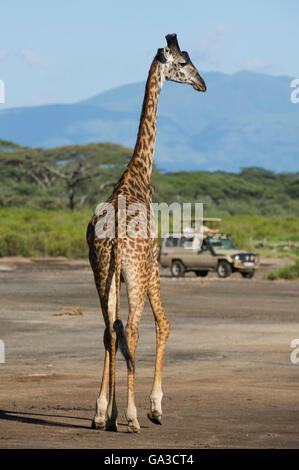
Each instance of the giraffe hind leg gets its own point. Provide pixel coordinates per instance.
(111, 421)
(99, 419)
(106, 410)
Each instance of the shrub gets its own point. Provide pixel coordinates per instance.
(290, 271)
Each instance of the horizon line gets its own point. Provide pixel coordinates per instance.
(3, 107)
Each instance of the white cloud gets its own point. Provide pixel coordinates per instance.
(28, 56)
(208, 48)
(257, 64)
(41, 99)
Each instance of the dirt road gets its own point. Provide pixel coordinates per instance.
(228, 378)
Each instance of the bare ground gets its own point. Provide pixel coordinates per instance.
(228, 378)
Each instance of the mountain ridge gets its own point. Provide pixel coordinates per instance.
(244, 119)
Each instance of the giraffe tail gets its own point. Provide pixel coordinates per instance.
(121, 339)
(122, 343)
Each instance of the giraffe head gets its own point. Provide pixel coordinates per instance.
(177, 66)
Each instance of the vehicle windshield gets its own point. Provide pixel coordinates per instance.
(222, 243)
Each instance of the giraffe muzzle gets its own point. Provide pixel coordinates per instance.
(200, 87)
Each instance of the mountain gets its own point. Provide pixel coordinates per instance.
(245, 119)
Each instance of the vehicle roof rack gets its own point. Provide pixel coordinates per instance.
(212, 219)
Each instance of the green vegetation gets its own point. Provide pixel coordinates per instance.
(47, 197)
(81, 176)
(290, 271)
(74, 176)
(269, 236)
(253, 191)
(32, 232)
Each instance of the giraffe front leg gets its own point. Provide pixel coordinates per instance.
(162, 333)
(105, 417)
(135, 274)
(155, 413)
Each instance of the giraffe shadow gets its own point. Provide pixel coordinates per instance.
(31, 418)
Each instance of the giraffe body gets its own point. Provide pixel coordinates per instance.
(134, 258)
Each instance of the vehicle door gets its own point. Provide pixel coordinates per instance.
(187, 251)
(205, 258)
(169, 250)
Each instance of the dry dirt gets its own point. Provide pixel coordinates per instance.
(228, 378)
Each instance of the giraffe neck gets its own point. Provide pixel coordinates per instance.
(142, 160)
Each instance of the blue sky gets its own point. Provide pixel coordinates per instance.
(55, 51)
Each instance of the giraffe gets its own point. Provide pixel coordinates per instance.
(117, 256)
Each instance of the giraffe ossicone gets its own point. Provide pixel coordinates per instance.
(118, 254)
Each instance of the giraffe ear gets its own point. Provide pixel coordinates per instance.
(160, 56)
(167, 53)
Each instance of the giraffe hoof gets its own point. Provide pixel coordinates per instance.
(98, 425)
(154, 418)
(111, 427)
(133, 428)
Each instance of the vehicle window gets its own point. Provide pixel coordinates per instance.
(186, 241)
(224, 243)
(172, 242)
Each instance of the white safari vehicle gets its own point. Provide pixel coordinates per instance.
(193, 251)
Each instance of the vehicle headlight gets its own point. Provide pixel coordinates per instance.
(236, 257)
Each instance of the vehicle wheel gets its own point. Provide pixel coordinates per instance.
(248, 275)
(201, 273)
(223, 269)
(177, 269)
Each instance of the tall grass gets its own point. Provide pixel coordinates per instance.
(259, 227)
(33, 233)
(290, 271)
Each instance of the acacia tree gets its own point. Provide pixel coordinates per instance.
(77, 173)
(75, 177)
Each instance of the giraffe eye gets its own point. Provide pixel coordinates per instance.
(182, 64)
